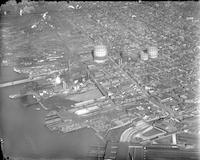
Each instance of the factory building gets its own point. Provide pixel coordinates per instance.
(100, 53)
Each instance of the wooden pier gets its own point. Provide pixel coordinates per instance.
(7, 84)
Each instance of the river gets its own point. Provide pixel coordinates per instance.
(24, 132)
(25, 135)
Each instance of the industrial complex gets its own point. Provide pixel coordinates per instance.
(125, 72)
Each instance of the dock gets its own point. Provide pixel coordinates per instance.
(7, 84)
(41, 76)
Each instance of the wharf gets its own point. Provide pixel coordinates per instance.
(7, 84)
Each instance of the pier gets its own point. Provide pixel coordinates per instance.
(7, 84)
(41, 76)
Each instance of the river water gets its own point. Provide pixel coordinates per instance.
(25, 135)
(24, 132)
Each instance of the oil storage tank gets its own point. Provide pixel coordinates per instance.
(100, 53)
(153, 51)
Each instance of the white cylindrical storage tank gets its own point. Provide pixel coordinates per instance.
(153, 51)
(144, 56)
(100, 53)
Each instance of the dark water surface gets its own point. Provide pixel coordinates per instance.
(7, 75)
(25, 135)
